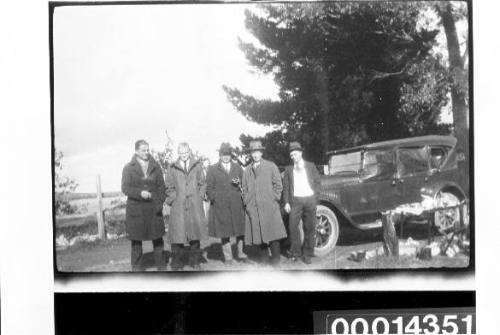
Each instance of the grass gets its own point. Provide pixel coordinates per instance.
(72, 227)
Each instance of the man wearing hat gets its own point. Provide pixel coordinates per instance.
(301, 188)
(226, 214)
(262, 188)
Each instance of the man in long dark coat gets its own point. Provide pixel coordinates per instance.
(301, 188)
(186, 189)
(144, 186)
(261, 195)
(226, 214)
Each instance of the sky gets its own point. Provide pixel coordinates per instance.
(123, 73)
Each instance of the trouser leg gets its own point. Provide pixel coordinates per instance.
(177, 251)
(309, 226)
(158, 253)
(294, 220)
(240, 243)
(194, 253)
(275, 252)
(264, 253)
(226, 249)
(136, 255)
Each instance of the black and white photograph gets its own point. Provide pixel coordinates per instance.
(273, 136)
(249, 167)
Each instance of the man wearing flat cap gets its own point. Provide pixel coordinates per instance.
(301, 188)
(226, 213)
(262, 188)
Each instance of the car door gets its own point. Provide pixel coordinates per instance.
(413, 172)
(386, 191)
(438, 155)
(376, 190)
(361, 196)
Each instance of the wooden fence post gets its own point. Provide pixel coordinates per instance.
(100, 216)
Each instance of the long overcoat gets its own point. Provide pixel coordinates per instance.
(143, 218)
(185, 193)
(226, 214)
(261, 195)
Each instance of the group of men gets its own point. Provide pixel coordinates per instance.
(245, 204)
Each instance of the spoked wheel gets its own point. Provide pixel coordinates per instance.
(327, 231)
(447, 219)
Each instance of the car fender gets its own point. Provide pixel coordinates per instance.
(330, 202)
(433, 189)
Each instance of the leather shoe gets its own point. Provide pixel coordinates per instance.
(306, 259)
(244, 260)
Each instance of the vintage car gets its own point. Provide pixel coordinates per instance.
(360, 183)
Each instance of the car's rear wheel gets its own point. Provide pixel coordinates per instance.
(327, 231)
(447, 219)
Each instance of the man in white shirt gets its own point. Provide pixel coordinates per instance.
(301, 188)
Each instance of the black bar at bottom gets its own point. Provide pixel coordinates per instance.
(229, 312)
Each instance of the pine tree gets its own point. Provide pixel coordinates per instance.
(346, 73)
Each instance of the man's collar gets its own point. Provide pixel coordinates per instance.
(300, 163)
(139, 159)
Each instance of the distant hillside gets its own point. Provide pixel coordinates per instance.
(78, 196)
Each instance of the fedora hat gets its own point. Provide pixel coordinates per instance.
(255, 145)
(225, 148)
(295, 146)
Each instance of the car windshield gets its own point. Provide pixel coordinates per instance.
(344, 163)
(378, 163)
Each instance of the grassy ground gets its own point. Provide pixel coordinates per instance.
(113, 255)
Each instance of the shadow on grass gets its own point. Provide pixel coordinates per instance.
(214, 252)
(148, 261)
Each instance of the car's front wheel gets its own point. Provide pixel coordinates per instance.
(327, 231)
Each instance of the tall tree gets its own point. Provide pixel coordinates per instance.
(340, 68)
(450, 13)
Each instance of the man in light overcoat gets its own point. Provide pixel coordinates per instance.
(262, 188)
(185, 182)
